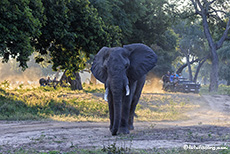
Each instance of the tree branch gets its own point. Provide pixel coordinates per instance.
(216, 11)
(221, 41)
(179, 70)
(196, 8)
(210, 3)
(201, 62)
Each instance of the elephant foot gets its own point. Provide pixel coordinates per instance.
(111, 128)
(131, 127)
(114, 132)
(123, 130)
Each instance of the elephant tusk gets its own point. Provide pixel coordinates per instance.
(127, 90)
(106, 94)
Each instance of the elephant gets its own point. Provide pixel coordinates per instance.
(123, 71)
(42, 82)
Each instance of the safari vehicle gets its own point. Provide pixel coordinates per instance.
(182, 86)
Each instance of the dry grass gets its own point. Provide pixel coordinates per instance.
(62, 104)
(159, 107)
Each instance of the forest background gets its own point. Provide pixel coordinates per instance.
(66, 34)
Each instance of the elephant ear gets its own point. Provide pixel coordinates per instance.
(98, 68)
(142, 60)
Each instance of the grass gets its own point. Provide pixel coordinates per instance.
(63, 104)
(48, 103)
(222, 90)
(113, 149)
(157, 107)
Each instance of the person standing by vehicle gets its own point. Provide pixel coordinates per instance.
(166, 79)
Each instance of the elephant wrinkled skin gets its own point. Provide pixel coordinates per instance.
(123, 71)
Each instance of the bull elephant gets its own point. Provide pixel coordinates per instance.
(123, 71)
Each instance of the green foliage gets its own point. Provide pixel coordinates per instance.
(222, 90)
(165, 59)
(140, 21)
(145, 22)
(73, 30)
(191, 38)
(62, 30)
(151, 27)
(66, 33)
(224, 56)
(19, 25)
(115, 149)
(121, 13)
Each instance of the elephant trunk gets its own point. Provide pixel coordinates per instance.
(117, 88)
(117, 99)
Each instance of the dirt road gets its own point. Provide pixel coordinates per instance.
(208, 125)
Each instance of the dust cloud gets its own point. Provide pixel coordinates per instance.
(153, 84)
(11, 73)
(29, 78)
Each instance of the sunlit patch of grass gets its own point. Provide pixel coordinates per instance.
(89, 88)
(76, 118)
(63, 104)
(163, 107)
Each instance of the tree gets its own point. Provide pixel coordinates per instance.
(121, 13)
(72, 31)
(165, 55)
(19, 24)
(213, 12)
(192, 46)
(224, 56)
(143, 21)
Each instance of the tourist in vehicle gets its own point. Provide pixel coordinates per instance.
(176, 79)
(171, 77)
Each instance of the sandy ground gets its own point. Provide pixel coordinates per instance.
(208, 125)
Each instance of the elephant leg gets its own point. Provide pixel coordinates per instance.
(111, 110)
(126, 106)
(123, 129)
(136, 97)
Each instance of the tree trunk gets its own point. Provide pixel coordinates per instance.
(93, 80)
(75, 83)
(63, 79)
(204, 11)
(201, 62)
(228, 83)
(213, 87)
(205, 80)
(189, 68)
(197, 72)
